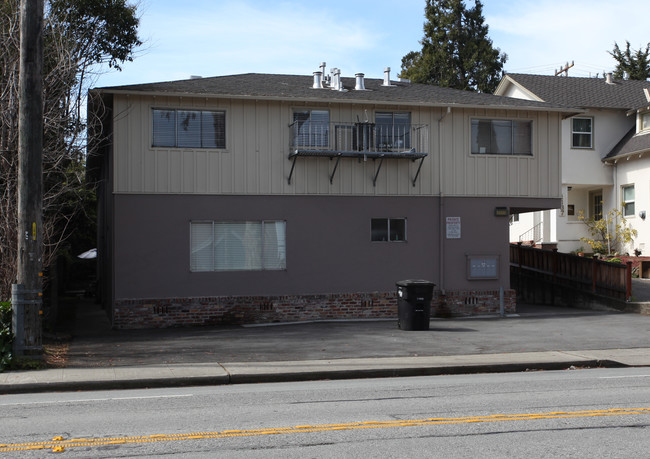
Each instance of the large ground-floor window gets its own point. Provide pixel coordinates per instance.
(237, 246)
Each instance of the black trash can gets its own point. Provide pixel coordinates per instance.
(414, 304)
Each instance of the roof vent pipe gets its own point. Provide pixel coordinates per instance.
(608, 78)
(318, 80)
(359, 86)
(386, 77)
(336, 79)
(322, 67)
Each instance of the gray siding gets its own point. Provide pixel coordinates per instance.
(255, 160)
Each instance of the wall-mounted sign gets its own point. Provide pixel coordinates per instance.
(453, 227)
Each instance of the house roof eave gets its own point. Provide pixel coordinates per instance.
(564, 110)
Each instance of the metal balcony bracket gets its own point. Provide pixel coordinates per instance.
(336, 165)
(293, 165)
(415, 179)
(381, 161)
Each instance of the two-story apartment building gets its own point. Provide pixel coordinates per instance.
(605, 157)
(255, 197)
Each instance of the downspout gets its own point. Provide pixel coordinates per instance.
(614, 166)
(441, 206)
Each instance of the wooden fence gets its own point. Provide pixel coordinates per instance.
(586, 274)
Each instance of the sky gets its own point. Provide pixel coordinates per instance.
(225, 37)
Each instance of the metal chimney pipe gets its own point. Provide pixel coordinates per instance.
(608, 78)
(336, 79)
(322, 67)
(318, 80)
(360, 85)
(386, 76)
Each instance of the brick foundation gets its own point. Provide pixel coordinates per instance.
(178, 312)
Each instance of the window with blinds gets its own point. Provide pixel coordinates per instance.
(189, 128)
(237, 246)
(501, 137)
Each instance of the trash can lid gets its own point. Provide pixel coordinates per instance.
(409, 282)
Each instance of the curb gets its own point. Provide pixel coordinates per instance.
(295, 376)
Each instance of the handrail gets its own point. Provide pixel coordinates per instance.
(535, 231)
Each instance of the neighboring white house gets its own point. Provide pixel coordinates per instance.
(605, 157)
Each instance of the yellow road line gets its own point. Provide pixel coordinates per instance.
(58, 444)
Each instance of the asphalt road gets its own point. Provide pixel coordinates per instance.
(578, 413)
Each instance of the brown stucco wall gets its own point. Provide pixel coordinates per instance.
(328, 244)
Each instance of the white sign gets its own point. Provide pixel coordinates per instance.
(453, 227)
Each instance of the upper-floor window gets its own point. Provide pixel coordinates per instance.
(582, 132)
(238, 246)
(628, 201)
(393, 131)
(311, 128)
(501, 137)
(645, 121)
(189, 128)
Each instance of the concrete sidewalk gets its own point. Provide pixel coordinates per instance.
(534, 338)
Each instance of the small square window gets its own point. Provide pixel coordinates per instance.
(388, 230)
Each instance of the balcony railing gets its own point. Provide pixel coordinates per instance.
(359, 140)
(338, 137)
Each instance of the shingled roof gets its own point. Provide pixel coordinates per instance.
(299, 88)
(582, 92)
(633, 143)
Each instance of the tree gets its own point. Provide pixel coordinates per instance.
(79, 36)
(635, 63)
(456, 51)
(609, 234)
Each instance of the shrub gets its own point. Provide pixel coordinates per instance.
(6, 337)
(610, 234)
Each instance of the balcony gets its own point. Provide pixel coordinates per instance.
(361, 140)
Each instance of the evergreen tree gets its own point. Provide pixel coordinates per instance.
(456, 51)
(635, 63)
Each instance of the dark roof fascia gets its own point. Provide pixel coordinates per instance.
(549, 108)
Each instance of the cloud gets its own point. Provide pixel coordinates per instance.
(244, 37)
(543, 33)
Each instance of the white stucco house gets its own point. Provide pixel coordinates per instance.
(605, 157)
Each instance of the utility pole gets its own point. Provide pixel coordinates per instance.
(564, 69)
(27, 297)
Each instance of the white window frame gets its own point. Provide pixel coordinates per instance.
(645, 121)
(389, 233)
(476, 147)
(628, 204)
(252, 250)
(196, 140)
(589, 133)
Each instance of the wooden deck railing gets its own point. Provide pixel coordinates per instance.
(585, 274)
